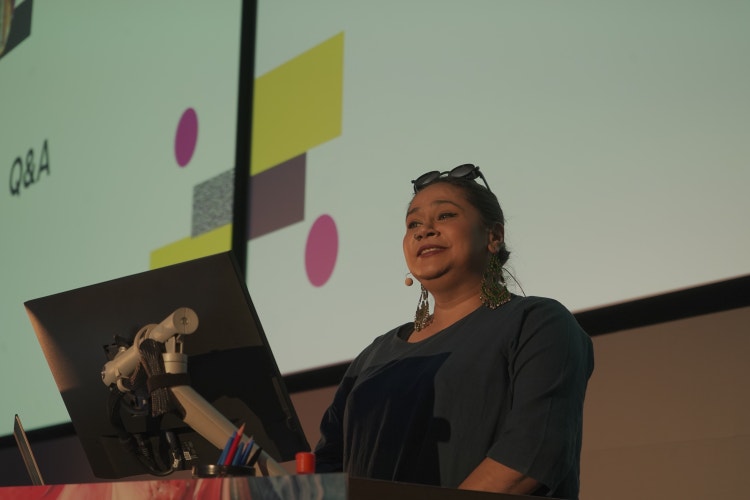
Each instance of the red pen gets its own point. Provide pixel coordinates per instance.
(233, 449)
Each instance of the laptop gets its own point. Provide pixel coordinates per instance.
(26, 453)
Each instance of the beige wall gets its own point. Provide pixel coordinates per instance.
(667, 411)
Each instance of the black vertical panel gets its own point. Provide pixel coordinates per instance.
(240, 204)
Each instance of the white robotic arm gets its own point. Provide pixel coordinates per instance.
(217, 429)
(200, 415)
(181, 322)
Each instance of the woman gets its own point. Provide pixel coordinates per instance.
(484, 393)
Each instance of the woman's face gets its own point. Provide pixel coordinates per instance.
(445, 237)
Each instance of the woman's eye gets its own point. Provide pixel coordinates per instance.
(446, 215)
(412, 224)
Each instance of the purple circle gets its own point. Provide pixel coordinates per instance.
(321, 250)
(186, 137)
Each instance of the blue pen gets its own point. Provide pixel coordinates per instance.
(248, 449)
(224, 453)
(237, 460)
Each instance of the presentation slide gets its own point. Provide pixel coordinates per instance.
(113, 115)
(615, 135)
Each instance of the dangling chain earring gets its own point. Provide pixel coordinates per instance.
(422, 318)
(494, 292)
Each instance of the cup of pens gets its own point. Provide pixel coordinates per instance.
(237, 458)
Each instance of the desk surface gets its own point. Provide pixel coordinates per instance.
(291, 487)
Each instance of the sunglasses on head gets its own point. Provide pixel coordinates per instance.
(466, 171)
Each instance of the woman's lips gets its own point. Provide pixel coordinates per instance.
(426, 250)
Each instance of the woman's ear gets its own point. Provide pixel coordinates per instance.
(496, 237)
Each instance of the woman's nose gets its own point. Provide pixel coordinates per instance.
(424, 231)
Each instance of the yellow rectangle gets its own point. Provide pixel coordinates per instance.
(298, 105)
(212, 242)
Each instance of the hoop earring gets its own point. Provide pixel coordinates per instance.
(422, 318)
(494, 292)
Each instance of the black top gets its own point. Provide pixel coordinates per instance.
(507, 384)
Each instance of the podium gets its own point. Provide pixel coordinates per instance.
(336, 486)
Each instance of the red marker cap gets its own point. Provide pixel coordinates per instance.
(305, 462)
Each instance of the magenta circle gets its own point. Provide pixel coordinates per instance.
(321, 250)
(186, 137)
